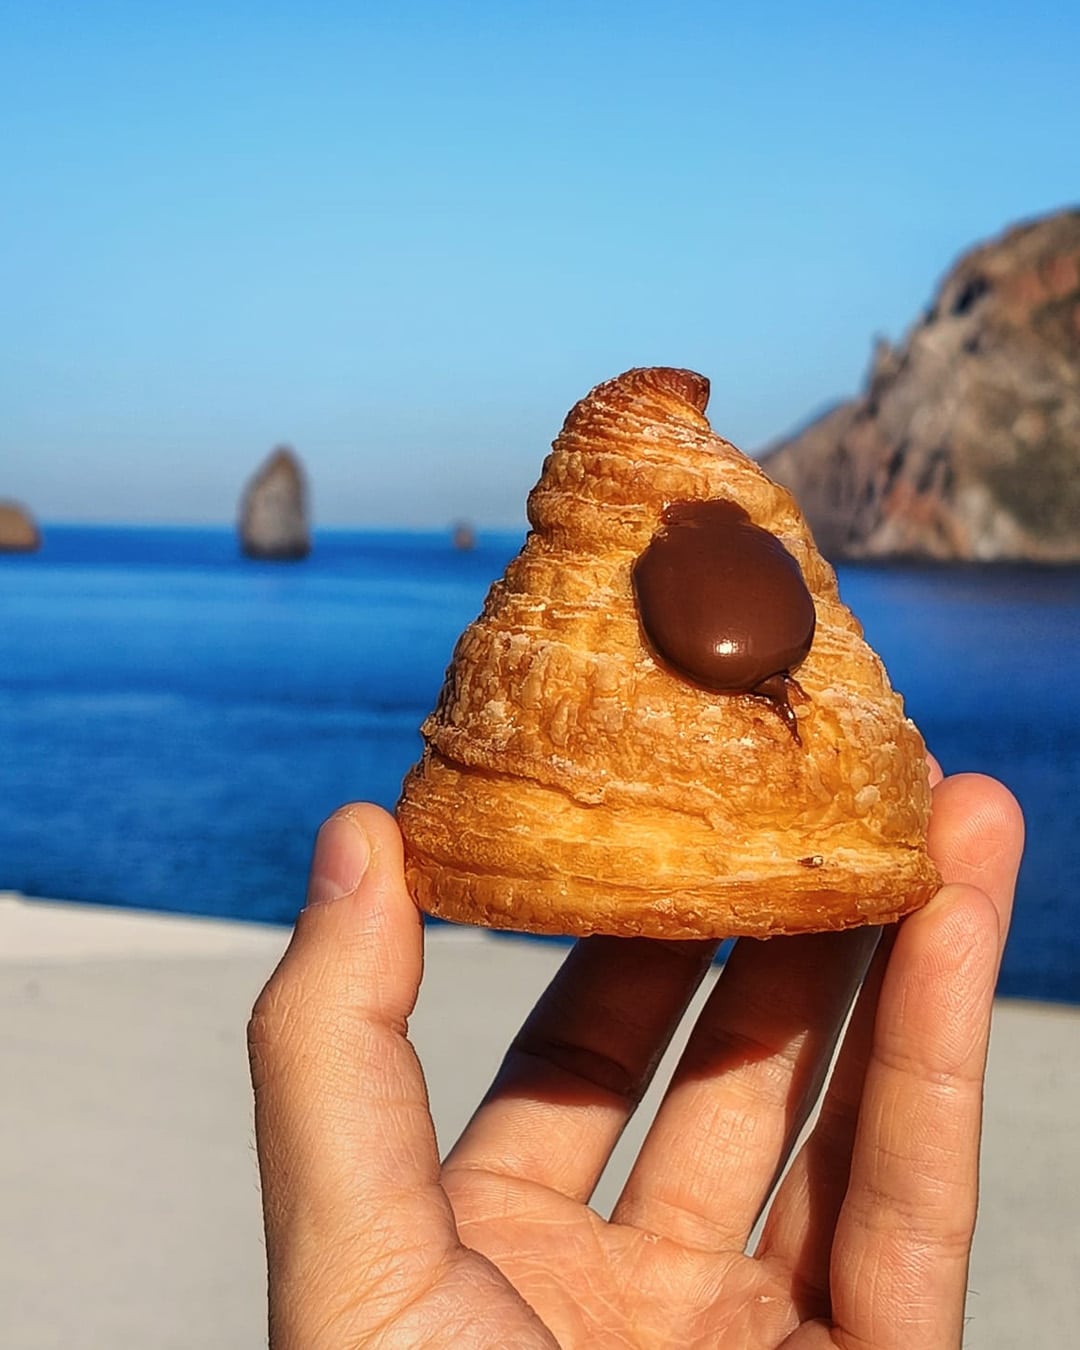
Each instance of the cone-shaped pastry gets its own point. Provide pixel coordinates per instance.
(665, 722)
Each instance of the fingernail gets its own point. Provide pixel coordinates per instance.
(341, 858)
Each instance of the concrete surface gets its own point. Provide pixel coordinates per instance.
(129, 1208)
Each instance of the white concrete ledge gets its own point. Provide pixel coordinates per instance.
(130, 1215)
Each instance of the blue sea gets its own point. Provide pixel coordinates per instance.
(175, 720)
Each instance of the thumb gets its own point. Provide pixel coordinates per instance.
(347, 1151)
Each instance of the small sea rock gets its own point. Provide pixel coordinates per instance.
(274, 511)
(18, 530)
(463, 536)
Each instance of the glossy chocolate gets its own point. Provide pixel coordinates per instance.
(724, 604)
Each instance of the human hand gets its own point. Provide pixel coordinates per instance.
(371, 1242)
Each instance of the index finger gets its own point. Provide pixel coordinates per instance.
(577, 1069)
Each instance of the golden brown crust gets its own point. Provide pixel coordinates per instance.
(570, 784)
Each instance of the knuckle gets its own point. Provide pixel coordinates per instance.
(273, 1025)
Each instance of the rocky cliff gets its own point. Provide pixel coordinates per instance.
(965, 443)
(18, 532)
(273, 510)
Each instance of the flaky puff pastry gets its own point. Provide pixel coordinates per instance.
(571, 784)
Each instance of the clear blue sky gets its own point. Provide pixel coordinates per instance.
(406, 236)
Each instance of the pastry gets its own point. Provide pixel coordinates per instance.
(665, 722)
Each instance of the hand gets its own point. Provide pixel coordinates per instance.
(371, 1242)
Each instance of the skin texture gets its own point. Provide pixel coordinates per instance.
(371, 1241)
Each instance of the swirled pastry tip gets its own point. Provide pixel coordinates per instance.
(664, 722)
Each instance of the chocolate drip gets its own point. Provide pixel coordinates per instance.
(724, 604)
(776, 691)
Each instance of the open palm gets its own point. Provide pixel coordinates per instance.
(371, 1241)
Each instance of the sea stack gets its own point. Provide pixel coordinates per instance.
(463, 536)
(18, 531)
(965, 443)
(273, 510)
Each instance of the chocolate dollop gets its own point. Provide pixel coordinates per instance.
(724, 604)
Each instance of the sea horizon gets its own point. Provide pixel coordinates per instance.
(179, 718)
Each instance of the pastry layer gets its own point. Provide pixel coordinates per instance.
(572, 784)
(509, 855)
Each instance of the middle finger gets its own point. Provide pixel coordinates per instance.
(742, 1091)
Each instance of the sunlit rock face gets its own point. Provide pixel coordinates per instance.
(273, 511)
(18, 531)
(965, 443)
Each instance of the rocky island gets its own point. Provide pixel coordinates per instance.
(18, 530)
(965, 443)
(273, 523)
